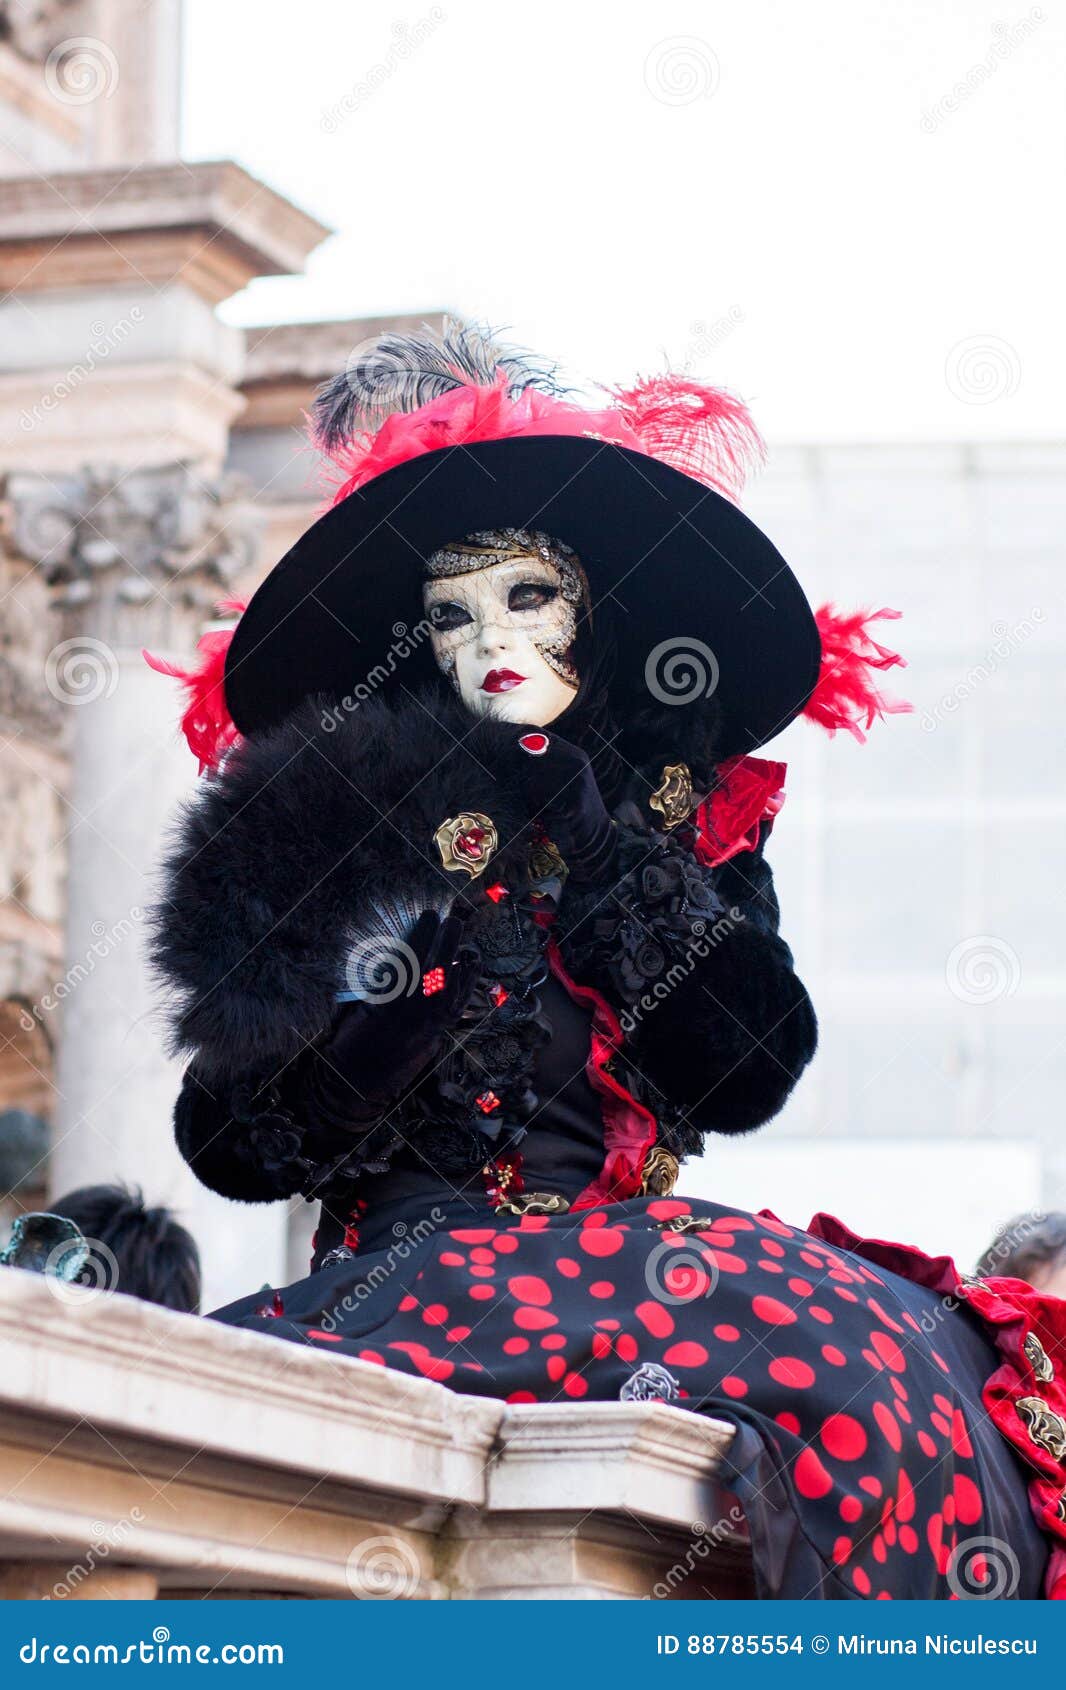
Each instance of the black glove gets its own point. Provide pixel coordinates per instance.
(561, 790)
(374, 1051)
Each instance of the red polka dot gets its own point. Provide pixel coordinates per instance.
(687, 1282)
(889, 1351)
(739, 1223)
(483, 1257)
(772, 1248)
(788, 1422)
(533, 1320)
(967, 1500)
(556, 1368)
(601, 1241)
(665, 1208)
(727, 1334)
(769, 1267)
(816, 1312)
(574, 1385)
(601, 1288)
(960, 1438)
(811, 1478)
(772, 1224)
(372, 1355)
(483, 1271)
(835, 1357)
(451, 1259)
(773, 1312)
(430, 1367)
(899, 1388)
(871, 1485)
(521, 1396)
(601, 1345)
(851, 1509)
(734, 1387)
(568, 1267)
(479, 1237)
(527, 1288)
(657, 1319)
(889, 1429)
(504, 1243)
(926, 1444)
(406, 1304)
(324, 1337)
(861, 1581)
(842, 1550)
(482, 1292)
(726, 1263)
(885, 1319)
(848, 1296)
(843, 1437)
(940, 1423)
(553, 1341)
(685, 1354)
(607, 1325)
(790, 1371)
(800, 1287)
(533, 1223)
(515, 1346)
(626, 1347)
(434, 1314)
(908, 1540)
(456, 1334)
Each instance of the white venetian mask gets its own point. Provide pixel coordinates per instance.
(503, 617)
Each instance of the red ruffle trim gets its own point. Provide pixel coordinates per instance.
(1011, 1310)
(629, 1130)
(750, 790)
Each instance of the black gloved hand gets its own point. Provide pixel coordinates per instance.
(375, 1050)
(562, 793)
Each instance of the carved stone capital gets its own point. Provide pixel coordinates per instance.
(138, 555)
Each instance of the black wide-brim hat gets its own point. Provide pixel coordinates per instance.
(704, 603)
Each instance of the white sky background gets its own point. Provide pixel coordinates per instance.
(773, 195)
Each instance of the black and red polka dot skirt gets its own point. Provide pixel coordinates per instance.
(880, 1450)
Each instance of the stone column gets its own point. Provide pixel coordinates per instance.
(136, 559)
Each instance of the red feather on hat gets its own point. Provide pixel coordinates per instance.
(206, 723)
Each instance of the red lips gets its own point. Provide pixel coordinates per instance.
(501, 680)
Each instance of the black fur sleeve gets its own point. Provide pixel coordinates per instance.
(239, 1140)
(717, 1019)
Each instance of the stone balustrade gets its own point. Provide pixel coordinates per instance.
(146, 1453)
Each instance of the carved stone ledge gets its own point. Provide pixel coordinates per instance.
(220, 1462)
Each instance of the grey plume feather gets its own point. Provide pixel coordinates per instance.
(400, 372)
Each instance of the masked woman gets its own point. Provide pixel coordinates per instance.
(471, 938)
